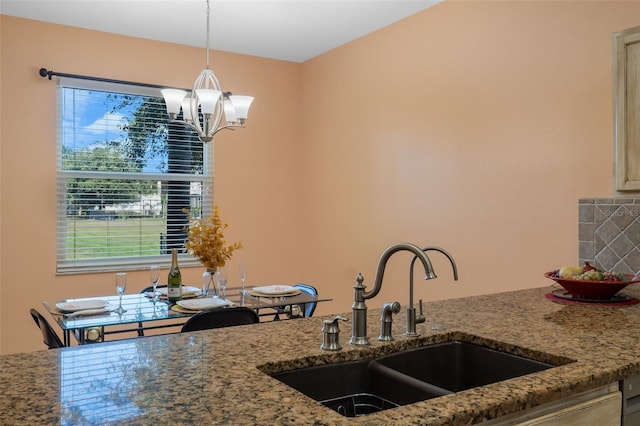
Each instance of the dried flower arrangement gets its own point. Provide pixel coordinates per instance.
(205, 240)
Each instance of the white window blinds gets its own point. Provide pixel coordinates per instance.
(125, 176)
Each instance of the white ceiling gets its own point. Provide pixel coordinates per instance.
(290, 30)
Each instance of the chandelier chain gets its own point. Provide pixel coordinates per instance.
(207, 41)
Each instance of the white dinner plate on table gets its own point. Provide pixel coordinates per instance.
(81, 305)
(90, 312)
(202, 304)
(187, 291)
(275, 290)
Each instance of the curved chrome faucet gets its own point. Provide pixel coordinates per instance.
(412, 319)
(359, 308)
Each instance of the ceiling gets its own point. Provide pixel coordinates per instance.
(289, 30)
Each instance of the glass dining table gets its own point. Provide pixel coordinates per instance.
(142, 312)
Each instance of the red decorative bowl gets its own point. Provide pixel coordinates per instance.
(591, 290)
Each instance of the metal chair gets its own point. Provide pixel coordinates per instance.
(221, 317)
(309, 308)
(150, 289)
(49, 336)
(295, 311)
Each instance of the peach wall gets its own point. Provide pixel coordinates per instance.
(256, 192)
(1, 180)
(474, 126)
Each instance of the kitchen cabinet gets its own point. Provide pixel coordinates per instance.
(626, 109)
(602, 407)
(630, 387)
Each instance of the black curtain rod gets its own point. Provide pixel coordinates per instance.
(46, 73)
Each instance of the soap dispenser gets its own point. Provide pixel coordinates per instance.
(331, 334)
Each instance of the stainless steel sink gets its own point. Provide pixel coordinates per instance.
(361, 387)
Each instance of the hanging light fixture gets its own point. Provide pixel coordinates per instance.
(203, 108)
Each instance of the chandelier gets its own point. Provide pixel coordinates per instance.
(204, 107)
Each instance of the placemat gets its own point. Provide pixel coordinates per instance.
(180, 309)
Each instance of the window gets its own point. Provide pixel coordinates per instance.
(125, 174)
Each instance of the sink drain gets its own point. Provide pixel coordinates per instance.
(358, 404)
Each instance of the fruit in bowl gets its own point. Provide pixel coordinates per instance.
(569, 271)
(589, 283)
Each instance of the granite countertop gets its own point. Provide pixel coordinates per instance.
(216, 376)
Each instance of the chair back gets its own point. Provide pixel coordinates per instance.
(221, 317)
(49, 336)
(150, 288)
(309, 308)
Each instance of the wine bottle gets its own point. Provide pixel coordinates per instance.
(174, 281)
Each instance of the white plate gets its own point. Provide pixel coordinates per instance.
(81, 305)
(88, 312)
(186, 290)
(201, 304)
(275, 289)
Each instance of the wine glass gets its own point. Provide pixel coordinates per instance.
(155, 277)
(223, 278)
(121, 285)
(155, 308)
(242, 272)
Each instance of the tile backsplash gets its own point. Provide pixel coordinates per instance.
(609, 233)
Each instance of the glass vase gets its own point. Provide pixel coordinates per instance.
(209, 284)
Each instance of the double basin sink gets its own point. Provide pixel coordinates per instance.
(360, 387)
